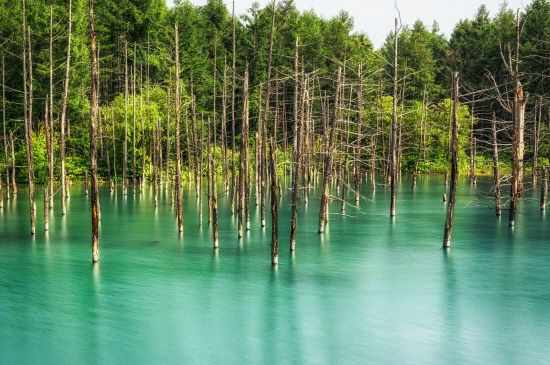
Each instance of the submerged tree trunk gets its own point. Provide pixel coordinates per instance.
(142, 120)
(224, 128)
(454, 167)
(168, 177)
(263, 126)
(49, 118)
(179, 207)
(108, 160)
(194, 140)
(359, 137)
(473, 146)
(125, 140)
(198, 172)
(12, 146)
(46, 208)
(134, 119)
(64, 101)
(94, 112)
(393, 139)
(496, 172)
(114, 150)
(274, 205)
(536, 137)
(28, 101)
(208, 172)
(544, 188)
(233, 87)
(296, 169)
(156, 163)
(214, 199)
(323, 211)
(243, 165)
(518, 143)
(5, 140)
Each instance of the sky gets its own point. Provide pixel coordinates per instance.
(375, 17)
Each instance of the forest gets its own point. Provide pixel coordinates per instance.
(134, 94)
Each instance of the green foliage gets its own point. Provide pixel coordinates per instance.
(426, 59)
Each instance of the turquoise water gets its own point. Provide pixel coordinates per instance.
(369, 291)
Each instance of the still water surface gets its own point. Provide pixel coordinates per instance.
(369, 291)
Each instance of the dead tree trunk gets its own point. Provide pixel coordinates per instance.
(449, 143)
(233, 87)
(28, 101)
(544, 188)
(274, 205)
(134, 119)
(247, 175)
(63, 120)
(108, 160)
(179, 208)
(156, 163)
(49, 118)
(536, 142)
(12, 146)
(196, 173)
(496, 169)
(393, 139)
(224, 127)
(214, 197)
(142, 119)
(473, 146)
(6, 143)
(296, 168)
(199, 173)
(323, 211)
(518, 143)
(454, 167)
(46, 208)
(168, 177)
(357, 164)
(208, 171)
(125, 141)
(94, 102)
(257, 151)
(243, 153)
(214, 98)
(114, 149)
(263, 126)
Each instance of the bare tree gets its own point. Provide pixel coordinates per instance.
(64, 101)
(324, 209)
(393, 138)
(511, 63)
(496, 170)
(27, 107)
(274, 205)
(94, 113)
(454, 166)
(179, 207)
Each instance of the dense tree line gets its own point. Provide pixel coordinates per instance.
(427, 59)
(197, 92)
